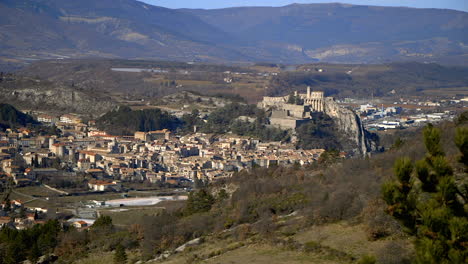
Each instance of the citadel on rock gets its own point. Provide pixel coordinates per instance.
(289, 112)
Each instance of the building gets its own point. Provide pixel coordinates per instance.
(70, 119)
(103, 186)
(143, 136)
(160, 134)
(290, 116)
(48, 119)
(80, 224)
(315, 100)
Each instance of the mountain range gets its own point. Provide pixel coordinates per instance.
(298, 33)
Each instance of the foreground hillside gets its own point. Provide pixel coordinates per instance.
(323, 214)
(289, 34)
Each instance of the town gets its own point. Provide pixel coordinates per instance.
(82, 154)
(79, 159)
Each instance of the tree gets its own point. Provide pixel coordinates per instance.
(198, 202)
(103, 221)
(120, 256)
(7, 206)
(222, 195)
(34, 253)
(430, 205)
(461, 140)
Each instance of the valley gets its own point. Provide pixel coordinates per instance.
(306, 133)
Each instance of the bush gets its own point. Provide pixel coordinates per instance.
(367, 260)
(378, 224)
(393, 253)
(199, 202)
(120, 256)
(311, 246)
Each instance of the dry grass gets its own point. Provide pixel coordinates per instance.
(101, 258)
(38, 191)
(256, 253)
(447, 92)
(130, 215)
(351, 239)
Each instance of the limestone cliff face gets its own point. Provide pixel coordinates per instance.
(349, 123)
(32, 94)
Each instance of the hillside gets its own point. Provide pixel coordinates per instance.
(11, 117)
(37, 94)
(341, 80)
(338, 80)
(129, 29)
(345, 33)
(97, 75)
(124, 121)
(289, 34)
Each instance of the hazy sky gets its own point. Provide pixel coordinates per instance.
(450, 4)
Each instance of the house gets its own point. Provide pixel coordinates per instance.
(70, 119)
(58, 149)
(4, 143)
(103, 186)
(143, 136)
(97, 173)
(34, 173)
(160, 134)
(80, 224)
(43, 118)
(32, 216)
(5, 221)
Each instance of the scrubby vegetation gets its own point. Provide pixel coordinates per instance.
(10, 117)
(320, 132)
(124, 121)
(227, 119)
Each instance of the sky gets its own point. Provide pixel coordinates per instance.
(210, 4)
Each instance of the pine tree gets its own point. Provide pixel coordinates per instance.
(103, 221)
(461, 140)
(34, 253)
(198, 202)
(120, 256)
(429, 204)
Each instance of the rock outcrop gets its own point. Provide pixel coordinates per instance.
(33, 94)
(348, 122)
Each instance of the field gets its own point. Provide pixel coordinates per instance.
(128, 216)
(461, 91)
(40, 196)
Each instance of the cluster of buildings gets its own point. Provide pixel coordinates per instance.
(395, 117)
(155, 156)
(14, 215)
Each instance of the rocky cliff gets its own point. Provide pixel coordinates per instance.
(347, 121)
(34, 94)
